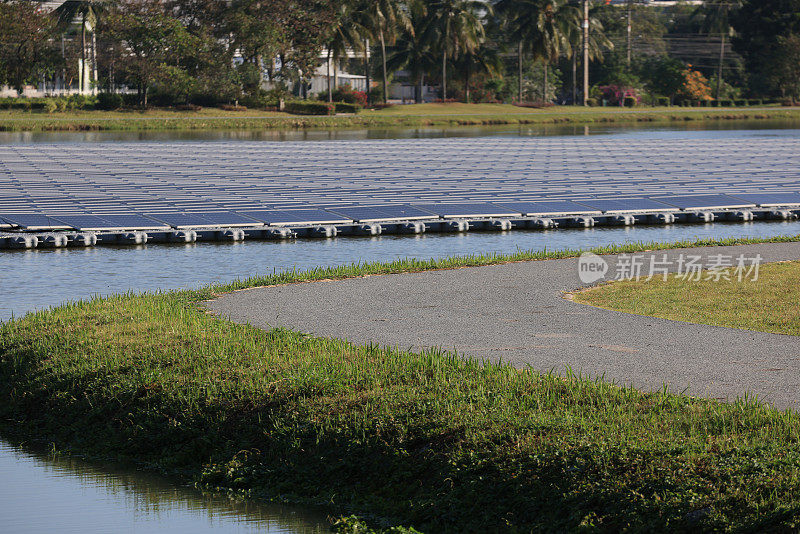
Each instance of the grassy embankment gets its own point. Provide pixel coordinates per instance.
(769, 304)
(409, 116)
(430, 440)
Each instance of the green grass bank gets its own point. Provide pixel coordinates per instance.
(410, 116)
(428, 440)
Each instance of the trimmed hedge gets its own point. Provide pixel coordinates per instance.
(48, 104)
(309, 108)
(109, 101)
(346, 107)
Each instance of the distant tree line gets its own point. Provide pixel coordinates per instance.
(210, 51)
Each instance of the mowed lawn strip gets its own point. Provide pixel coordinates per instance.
(768, 304)
(428, 440)
(417, 115)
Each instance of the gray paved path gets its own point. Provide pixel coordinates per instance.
(516, 312)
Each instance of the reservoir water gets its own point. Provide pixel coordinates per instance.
(40, 492)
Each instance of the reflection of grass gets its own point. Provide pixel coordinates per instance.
(426, 439)
(769, 304)
(397, 116)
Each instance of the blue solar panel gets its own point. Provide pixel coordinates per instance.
(771, 199)
(86, 222)
(549, 207)
(133, 221)
(626, 204)
(35, 221)
(226, 218)
(295, 217)
(180, 220)
(382, 213)
(469, 210)
(699, 202)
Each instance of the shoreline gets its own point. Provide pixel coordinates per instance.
(155, 120)
(424, 439)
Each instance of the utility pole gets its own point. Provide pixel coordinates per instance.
(630, 9)
(585, 52)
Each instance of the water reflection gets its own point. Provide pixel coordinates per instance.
(41, 493)
(711, 129)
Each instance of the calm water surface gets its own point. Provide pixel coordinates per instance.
(40, 493)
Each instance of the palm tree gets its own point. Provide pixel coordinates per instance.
(542, 27)
(482, 60)
(385, 19)
(346, 34)
(90, 12)
(598, 42)
(457, 26)
(412, 51)
(717, 19)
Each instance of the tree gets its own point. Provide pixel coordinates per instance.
(695, 86)
(544, 28)
(386, 19)
(25, 50)
(760, 25)
(786, 73)
(90, 12)
(457, 26)
(717, 20)
(412, 51)
(346, 34)
(665, 76)
(482, 60)
(598, 44)
(152, 39)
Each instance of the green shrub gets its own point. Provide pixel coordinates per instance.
(262, 101)
(629, 102)
(756, 102)
(663, 101)
(82, 102)
(309, 108)
(20, 104)
(593, 102)
(741, 103)
(345, 107)
(109, 101)
(61, 104)
(130, 100)
(50, 105)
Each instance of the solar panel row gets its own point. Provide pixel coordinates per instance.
(155, 185)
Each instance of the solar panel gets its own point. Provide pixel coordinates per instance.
(226, 218)
(180, 220)
(35, 221)
(767, 200)
(626, 205)
(133, 221)
(295, 217)
(382, 213)
(469, 210)
(550, 207)
(87, 222)
(701, 202)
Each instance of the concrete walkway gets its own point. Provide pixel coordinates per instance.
(516, 312)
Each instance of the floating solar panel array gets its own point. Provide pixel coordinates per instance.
(160, 186)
